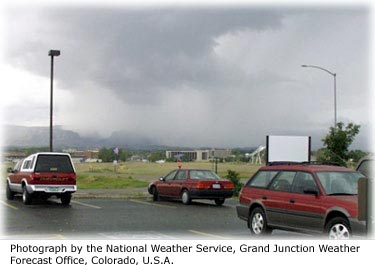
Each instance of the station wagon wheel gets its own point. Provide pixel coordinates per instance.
(26, 196)
(185, 197)
(258, 222)
(9, 192)
(338, 228)
(155, 194)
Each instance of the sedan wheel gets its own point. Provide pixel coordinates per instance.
(219, 201)
(185, 197)
(155, 194)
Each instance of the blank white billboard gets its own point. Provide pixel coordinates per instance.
(288, 148)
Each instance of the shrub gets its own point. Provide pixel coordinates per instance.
(233, 176)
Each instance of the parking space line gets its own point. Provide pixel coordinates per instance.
(60, 236)
(9, 205)
(85, 204)
(35, 237)
(152, 204)
(207, 234)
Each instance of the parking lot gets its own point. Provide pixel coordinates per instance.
(139, 218)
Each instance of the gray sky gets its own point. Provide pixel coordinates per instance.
(206, 76)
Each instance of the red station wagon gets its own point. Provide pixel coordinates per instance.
(42, 175)
(302, 197)
(189, 184)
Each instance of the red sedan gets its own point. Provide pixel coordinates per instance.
(189, 184)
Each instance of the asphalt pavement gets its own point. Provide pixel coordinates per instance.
(122, 214)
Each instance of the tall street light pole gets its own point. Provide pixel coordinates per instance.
(334, 88)
(51, 53)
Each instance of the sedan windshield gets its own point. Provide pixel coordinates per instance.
(340, 183)
(203, 174)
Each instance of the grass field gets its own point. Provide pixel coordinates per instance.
(138, 174)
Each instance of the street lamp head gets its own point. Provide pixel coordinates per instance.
(54, 53)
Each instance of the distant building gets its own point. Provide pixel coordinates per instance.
(199, 155)
(220, 153)
(83, 156)
(14, 156)
(194, 155)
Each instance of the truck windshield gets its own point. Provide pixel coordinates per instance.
(340, 183)
(54, 163)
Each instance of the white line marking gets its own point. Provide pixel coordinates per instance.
(85, 204)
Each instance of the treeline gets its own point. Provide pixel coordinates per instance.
(108, 155)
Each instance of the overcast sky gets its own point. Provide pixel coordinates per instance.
(220, 76)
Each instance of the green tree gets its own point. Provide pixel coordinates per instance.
(157, 155)
(356, 155)
(337, 142)
(106, 154)
(233, 176)
(123, 155)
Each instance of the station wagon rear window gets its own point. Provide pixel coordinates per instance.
(54, 163)
(262, 179)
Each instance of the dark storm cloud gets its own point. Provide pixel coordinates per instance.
(232, 74)
(134, 52)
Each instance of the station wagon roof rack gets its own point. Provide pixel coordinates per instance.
(328, 163)
(279, 163)
(306, 163)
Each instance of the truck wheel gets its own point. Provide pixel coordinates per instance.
(66, 198)
(27, 198)
(9, 192)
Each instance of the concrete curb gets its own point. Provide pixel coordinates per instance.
(111, 194)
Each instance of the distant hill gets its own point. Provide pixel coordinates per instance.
(22, 136)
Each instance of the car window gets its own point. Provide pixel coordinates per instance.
(18, 165)
(366, 167)
(283, 181)
(32, 162)
(26, 164)
(339, 182)
(203, 174)
(181, 175)
(53, 163)
(170, 176)
(304, 181)
(262, 179)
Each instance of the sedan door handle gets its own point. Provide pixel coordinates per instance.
(292, 201)
(264, 198)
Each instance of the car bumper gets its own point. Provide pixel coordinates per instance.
(242, 211)
(55, 189)
(210, 194)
